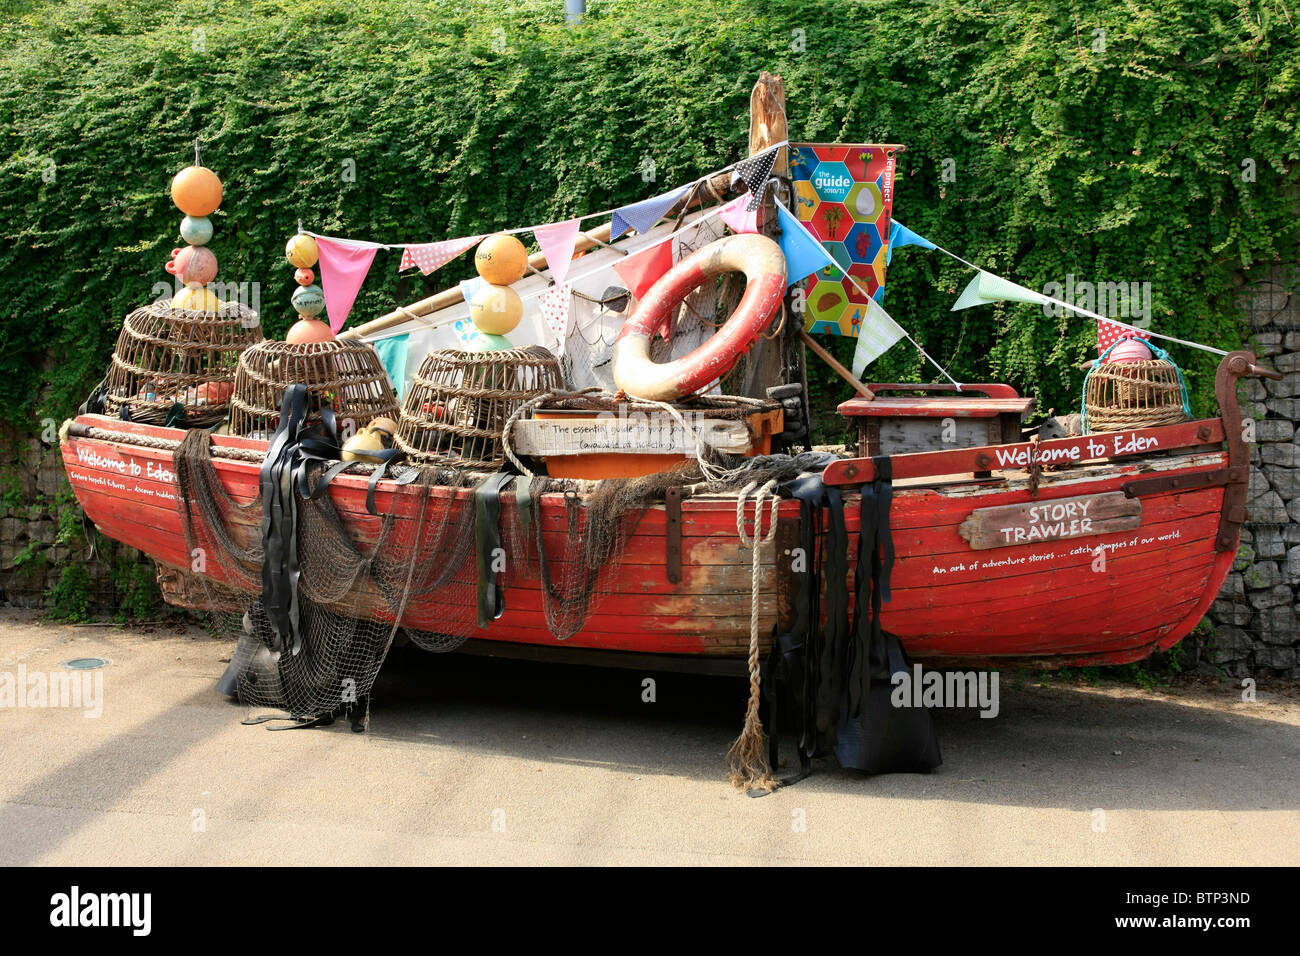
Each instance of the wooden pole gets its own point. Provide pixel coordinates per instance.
(839, 369)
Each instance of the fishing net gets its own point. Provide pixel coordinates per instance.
(359, 576)
(410, 566)
(574, 563)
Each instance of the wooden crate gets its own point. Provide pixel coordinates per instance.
(981, 414)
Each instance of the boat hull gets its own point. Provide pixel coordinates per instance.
(1050, 603)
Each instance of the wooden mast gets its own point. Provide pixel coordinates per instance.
(767, 127)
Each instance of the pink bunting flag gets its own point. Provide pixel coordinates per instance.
(343, 267)
(739, 218)
(557, 241)
(554, 303)
(1108, 333)
(429, 256)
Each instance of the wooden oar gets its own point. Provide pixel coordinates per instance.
(839, 369)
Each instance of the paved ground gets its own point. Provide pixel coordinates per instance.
(581, 771)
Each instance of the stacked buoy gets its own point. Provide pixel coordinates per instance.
(308, 299)
(196, 191)
(496, 309)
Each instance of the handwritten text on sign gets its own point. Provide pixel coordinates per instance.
(1054, 520)
(1079, 449)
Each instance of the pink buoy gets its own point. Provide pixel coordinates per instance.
(193, 264)
(304, 277)
(1129, 350)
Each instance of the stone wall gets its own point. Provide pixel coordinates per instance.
(1256, 624)
(42, 541)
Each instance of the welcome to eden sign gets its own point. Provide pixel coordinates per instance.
(1079, 449)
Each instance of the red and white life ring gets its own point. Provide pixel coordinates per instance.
(760, 259)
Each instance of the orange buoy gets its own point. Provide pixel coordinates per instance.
(306, 331)
(501, 259)
(196, 191)
(302, 251)
(496, 309)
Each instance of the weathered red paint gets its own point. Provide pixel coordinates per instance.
(1059, 610)
(856, 471)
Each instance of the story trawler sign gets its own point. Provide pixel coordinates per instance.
(1054, 520)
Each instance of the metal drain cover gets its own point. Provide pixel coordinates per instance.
(85, 663)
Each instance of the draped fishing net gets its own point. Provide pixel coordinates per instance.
(413, 562)
(359, 575)
(573, 564)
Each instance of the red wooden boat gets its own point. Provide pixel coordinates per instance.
(1097, 549)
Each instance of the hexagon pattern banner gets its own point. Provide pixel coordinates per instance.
(845, 193)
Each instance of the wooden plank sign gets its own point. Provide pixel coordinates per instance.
(1054, 520)
(543, 437)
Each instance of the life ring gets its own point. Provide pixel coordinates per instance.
(760, 259)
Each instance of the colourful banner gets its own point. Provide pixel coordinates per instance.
(845, 194)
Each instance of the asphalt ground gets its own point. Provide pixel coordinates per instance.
(477, 761)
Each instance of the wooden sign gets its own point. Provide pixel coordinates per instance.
(1035, 521)
(543, 437)
(1055, 451)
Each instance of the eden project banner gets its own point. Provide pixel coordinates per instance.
(845, 193)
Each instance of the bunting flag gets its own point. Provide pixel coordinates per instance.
(643, 215)
(641, 270)
(987, 288)
(557, 241)
(899, 236)
(470, 287)
(876, 330)
(1108, 333)
(554, 304)
(804, 255)
(343, 267)
(466, 330)
(430, 256)
(755, 172)
(738, 217)
(392, 354)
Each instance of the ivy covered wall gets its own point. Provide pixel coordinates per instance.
(1108, 141)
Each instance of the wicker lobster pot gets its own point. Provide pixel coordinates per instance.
(459, 402)
(165, 356)
(1123, 395)
(343, 375)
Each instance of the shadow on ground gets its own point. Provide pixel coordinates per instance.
(1206, 750)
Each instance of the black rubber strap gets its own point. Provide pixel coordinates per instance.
(524, 502)
(834, 647)
(787, 679)
(487, 540)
